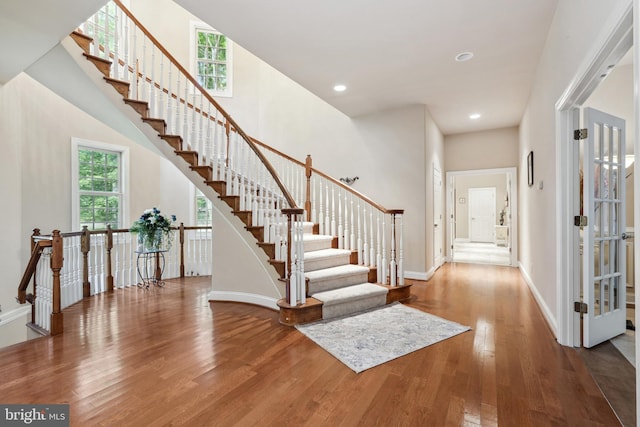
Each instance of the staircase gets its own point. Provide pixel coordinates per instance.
(331, 267)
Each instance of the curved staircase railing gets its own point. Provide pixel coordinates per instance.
(263, 187)
(187, 117)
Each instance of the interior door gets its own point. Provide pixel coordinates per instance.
(482, 214)
(604, 248)
(437, 218)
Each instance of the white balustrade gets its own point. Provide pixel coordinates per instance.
(256, 175)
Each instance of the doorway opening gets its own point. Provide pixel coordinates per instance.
(482, 216)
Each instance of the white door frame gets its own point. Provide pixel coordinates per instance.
(438, 259)
(609, 50)
(513, 201)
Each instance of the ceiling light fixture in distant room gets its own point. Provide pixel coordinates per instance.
(339, 88)
(474, 116)
(464, 56)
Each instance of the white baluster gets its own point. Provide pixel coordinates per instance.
(301, 279)
(134, 79)
(185, 117)
(314, 211)
(359, 247)
(333, 212)
(352, 237)
(393, 266)
(320, 210)
(384, 250)
(372, 253)
(365, 248)
(340, 226)
(327, 218)
(346, 222)
(401, 257)
(152, 93)
(378, 254)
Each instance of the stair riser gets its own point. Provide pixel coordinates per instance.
(158, 125)
(317, 245)
(350, 307)
(204, 171)
(320, 264)
(336, 282)
(174, 141)
(102, 65)
(83, 41)
(120, 86)
(141, 107)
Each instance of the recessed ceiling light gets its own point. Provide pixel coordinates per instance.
(464, 56)
(474, 116)
(339, 88)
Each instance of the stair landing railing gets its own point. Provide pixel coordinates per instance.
(166, 91)
(64, 268)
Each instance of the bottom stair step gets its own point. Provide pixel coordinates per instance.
(351, 299)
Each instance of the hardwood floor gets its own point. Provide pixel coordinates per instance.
(169, 357)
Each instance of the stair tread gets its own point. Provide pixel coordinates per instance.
(308, 237)
(350, 293)
(334, 272)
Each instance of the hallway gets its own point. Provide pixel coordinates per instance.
(168, 356)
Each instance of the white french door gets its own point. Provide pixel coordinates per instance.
(604, 248)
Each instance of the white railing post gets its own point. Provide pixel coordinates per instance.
(401, 255)
(392, 266)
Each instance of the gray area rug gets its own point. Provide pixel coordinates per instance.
(373, 337)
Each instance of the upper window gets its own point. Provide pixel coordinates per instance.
(98, 184)
(203, 209)
(212, 57)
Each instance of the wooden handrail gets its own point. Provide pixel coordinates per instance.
(329, 178)
(205, 93)
(31, 268)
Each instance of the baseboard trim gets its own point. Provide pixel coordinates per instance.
(244, 297)
(14, 314)
(417, 275)
(546, 311)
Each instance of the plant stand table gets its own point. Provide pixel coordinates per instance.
(150, 265)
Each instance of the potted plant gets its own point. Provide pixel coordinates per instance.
(153, 230)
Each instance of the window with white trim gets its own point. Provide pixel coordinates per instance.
(99, 184)
(212, 53)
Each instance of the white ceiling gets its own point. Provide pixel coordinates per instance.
(395, 53)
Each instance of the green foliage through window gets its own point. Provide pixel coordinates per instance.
(203, 209)
(212, 60)
(100, 188)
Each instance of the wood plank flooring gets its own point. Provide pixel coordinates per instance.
(169, 357)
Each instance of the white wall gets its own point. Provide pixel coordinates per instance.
(391, 152)
(566, 47)
(491, 149)
(36, 127)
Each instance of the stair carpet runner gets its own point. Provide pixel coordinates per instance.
(342, 287)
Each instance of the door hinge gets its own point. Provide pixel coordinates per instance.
(580, 134)
(580, 221)
(580, 307)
